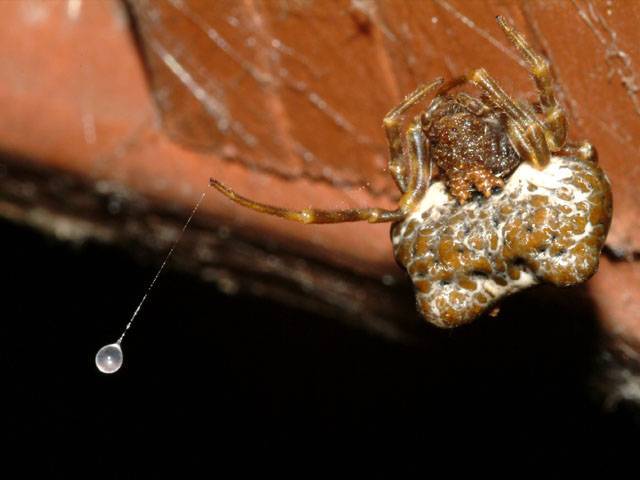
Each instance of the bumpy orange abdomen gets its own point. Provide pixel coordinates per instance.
(545, 226)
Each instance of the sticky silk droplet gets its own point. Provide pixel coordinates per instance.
(109, 358)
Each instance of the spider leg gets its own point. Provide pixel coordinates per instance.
(311, 215)
(393, 127)
(555, 122)
(439, 98)
(584, 151)
(474, 105)
(419, 179)
(524, 129)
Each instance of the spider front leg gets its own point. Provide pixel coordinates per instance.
(393, 128)
(415, 187)
(419, 179)
(312, 215)
(418, 183)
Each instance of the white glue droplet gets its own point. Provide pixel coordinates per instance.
(109, 358)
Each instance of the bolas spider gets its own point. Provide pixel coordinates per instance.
(494, 200)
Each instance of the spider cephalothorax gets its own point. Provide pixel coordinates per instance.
(468, 144)
(494, 199)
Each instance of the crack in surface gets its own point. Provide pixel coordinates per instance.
(213, 106)
(220, 42)
(266, 78)
(269, 77)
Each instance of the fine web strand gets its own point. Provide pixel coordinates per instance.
(166, 259)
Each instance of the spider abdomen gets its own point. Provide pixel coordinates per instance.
(544, 226)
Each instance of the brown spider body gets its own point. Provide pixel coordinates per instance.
(493, 200)
(468, 143)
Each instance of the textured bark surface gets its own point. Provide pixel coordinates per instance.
(112, 135)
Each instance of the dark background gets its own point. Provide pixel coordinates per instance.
(224, 382)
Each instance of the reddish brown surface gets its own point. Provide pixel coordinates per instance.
(284, 101)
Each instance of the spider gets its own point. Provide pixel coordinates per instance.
(493, 198)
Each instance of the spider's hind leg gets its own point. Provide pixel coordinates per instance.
(583, 151)
(534, 140)
(555, 122)
(525, 131)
